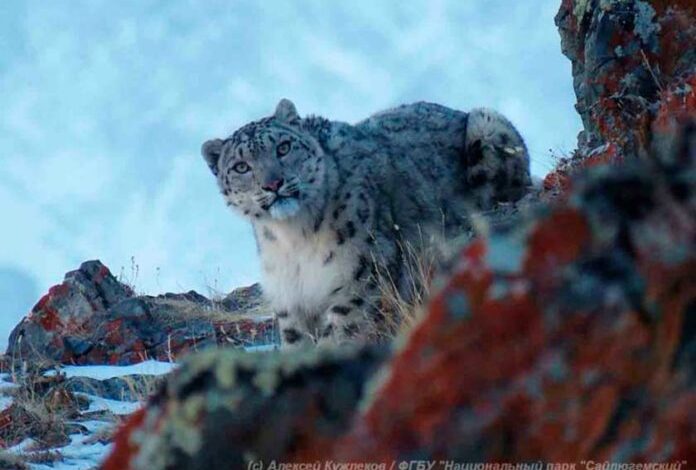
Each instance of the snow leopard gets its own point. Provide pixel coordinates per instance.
(331, 204)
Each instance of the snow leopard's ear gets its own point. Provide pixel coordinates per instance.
(211, 151)
(286, 112)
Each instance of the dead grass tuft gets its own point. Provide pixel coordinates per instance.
(189, 310)
(41, 410)
(10, 461)
(45, 413)
(403, 301)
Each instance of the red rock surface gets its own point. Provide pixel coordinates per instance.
(634, 74)
(224, 407)
(92, 318)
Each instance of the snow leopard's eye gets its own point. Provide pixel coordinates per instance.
(283, 148)
(241, 167)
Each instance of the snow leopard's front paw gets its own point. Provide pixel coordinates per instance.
(293, 334)
(497, 161)
(344, 325)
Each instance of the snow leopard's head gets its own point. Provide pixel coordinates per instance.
(269, 168)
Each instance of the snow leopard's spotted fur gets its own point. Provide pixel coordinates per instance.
(328, 200)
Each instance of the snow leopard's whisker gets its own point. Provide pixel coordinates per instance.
(289, 190)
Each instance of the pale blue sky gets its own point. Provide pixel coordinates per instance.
(105, 105)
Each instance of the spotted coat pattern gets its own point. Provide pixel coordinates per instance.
(334, 206)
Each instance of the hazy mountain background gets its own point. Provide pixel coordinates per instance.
(105, 105)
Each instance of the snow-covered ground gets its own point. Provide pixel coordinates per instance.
(82, 453)
(5, 386)
(85, 451)
(5, 402)
(104, 372)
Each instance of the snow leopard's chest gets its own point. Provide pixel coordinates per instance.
(302, 272)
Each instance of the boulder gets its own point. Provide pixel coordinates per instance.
(634, 74)
(62, 313)
(223, 408)
(92, 318)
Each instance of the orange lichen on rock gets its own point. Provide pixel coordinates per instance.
(554, 242)
(92, 318)
(125, 444)
(633, 67)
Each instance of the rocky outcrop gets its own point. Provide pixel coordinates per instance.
(92, 318)
(634, 74)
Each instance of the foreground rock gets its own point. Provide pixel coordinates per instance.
(92, 318)
(227, 407)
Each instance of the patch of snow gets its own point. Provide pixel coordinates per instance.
(115, 406)
(80, 455)
(5, 402)
(5, 387)
(6, 382)
(261, 347)
(22, 446)
(105, 372)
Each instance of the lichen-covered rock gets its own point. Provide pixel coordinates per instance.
(54, 325)
(92, 318)
(224, 408)
(634, 72)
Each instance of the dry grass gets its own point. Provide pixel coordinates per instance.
(44, 410)
(10, 461)
(186, 309)
(403, 301)
(41, 410)
(130, 278)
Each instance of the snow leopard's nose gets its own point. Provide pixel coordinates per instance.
(273, 185)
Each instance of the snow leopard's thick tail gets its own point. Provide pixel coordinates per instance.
(497, 161)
